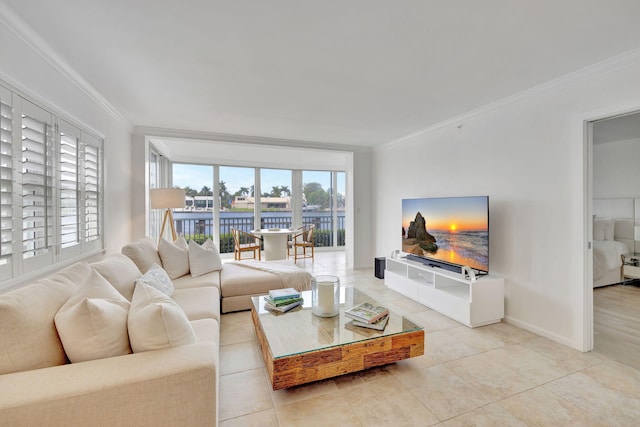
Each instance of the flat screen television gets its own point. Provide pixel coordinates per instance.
(447, 232)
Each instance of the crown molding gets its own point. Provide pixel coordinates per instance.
(601, 68)
(32, 39)
(155, 132)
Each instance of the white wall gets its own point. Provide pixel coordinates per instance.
(28, 71)
(527, 156)
(616, 169)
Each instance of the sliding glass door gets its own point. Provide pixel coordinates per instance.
(275, 198)
(237, 203)
(195, 221)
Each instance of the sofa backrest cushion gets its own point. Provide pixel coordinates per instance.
(143, 253)
(92, 324)
(28, 336)
(174, 256)
(204, 259)
(120, 271)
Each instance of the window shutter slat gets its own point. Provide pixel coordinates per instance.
(37, 221)
(6, 178)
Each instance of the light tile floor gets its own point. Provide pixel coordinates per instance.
(488, 376)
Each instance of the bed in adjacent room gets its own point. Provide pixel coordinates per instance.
(613, 238)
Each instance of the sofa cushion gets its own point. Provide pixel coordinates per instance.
(157, 278)
(188, 281)
(206, 330)
(28, 336)
(237, 280)
(199, 303)
(143, 253)
(120, 271)
(92, 324)
(174, 256)
(156, 321)
(204, 259)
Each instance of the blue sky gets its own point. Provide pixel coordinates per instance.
(197, 176)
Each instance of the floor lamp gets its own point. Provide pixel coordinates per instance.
(167, 198)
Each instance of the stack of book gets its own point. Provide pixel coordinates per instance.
(367, 315)
(283, 299)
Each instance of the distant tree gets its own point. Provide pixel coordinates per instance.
(243, 191)
(275, 191)
(316, 195)
(188, 191)
(252, 191)
(284, 191)
(205, 191)
(225, 197)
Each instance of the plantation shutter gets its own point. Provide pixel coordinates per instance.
(69, 189)
(6, 177)
(92, 188)
(37, 181)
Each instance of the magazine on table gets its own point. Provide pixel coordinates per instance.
(379, 325)
(283, 308)
(286, 293)
(367, 312)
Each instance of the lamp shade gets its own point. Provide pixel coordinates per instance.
(166, 198)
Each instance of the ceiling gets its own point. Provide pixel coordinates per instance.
(357, 72)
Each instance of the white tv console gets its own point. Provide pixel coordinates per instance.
(471, 302)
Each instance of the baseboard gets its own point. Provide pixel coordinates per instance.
(542, 332)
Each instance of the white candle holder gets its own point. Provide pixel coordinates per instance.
(325, 296)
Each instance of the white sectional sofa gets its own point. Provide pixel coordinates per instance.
(172, 381)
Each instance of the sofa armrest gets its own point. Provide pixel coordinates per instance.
(170, 387)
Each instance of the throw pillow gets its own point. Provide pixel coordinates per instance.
(158, 278)
(156, 321)
(92, 324)
(204, 259)
(174, 256)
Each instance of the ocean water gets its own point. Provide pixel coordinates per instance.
(472, 245)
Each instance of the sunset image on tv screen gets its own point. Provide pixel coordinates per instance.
(452, 229)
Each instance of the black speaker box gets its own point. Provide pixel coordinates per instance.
(379, 264)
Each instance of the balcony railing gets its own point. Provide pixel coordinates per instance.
(200, 229)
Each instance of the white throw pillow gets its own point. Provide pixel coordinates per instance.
(158, 278)
(174, 256)
(92, 324)
(156, 321)
(204, 259)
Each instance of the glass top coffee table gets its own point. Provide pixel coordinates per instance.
(299, 347)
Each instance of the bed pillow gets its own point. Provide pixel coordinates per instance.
(204, 259)
(174, 256)
(598, 230)
(157, 278)
(604, 229)
(156, 321)
(92, 324)
(610, 228)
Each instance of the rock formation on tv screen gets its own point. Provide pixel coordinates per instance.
(418, 235)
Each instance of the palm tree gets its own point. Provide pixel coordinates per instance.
(284, 190)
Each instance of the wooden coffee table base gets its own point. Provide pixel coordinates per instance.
(316, 365)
